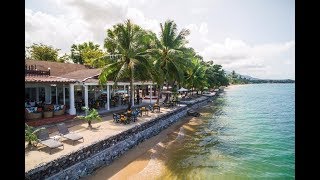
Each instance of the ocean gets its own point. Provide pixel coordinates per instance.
(247, 132)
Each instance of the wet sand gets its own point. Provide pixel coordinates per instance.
(146, 161)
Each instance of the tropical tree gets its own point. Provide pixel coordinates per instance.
(86, 53)
(168, 54)
(127, 45)
(91, 115)
(196, 75)
(63, 59)
(215, 75)
(42, 52)
(30, 134)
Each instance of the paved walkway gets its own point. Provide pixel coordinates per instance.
(101, 130)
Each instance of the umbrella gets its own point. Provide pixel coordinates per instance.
(182, 89)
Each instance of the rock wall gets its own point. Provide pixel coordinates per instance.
(86, 160)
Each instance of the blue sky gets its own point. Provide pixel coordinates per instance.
(252, 37)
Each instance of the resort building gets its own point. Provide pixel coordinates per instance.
(68, 87)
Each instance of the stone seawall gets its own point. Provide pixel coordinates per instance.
(86, 160)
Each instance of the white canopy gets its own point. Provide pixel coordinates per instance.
(182, 89)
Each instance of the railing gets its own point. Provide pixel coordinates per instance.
(32, 70)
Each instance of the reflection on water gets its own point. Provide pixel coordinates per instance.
(248, 132)
(237, 138)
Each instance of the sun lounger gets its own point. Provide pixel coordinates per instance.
(43, 138)
(64, 132)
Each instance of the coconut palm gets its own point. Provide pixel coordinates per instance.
(126, 44)
(30, 134)
(91, 115)
(168, 54)
(196, 75)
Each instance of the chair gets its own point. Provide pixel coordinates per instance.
(64, 132)
(134, 116)
(151, 108)
(43, 138)
(116, 117)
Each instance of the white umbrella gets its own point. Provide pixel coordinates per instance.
(182, 89)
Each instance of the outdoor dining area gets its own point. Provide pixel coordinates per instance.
(132, 115)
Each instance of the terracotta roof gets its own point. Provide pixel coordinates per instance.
(56, 68)
(91, 80)
(48, 79)
(83, 75)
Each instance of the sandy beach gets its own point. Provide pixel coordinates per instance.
(146, 161)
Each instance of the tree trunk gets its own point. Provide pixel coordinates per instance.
(132, 91)
(158, 99)
(89, 124)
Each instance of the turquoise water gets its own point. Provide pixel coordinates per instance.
(248, 133)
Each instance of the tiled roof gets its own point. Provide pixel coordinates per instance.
(83, 75)
(56, 68)
(48, 79)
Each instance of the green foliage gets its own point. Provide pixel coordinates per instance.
(65, 58)
(127, 45)
(237, 79)
(43, 52)
(87, 53)
(91, 114)
(30, 134)
(168, 52)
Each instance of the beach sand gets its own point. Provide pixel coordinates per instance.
(146, 161)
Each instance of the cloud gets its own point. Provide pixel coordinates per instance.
(199, 10)
(250, 59)
(80, 21)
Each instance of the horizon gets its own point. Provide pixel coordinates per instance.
(253, 38)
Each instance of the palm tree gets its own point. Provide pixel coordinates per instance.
(126, 44)
(196, 75)
(168, 54)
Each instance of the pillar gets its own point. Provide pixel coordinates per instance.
(64, 94)
(86, 102)
(57, 95)
(108, 97)
(72, 110)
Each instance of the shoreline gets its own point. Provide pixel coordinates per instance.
(146, 160)
(127, 164)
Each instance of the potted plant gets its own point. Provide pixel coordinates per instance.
(48, 111)
(91, 114)
(30, 134)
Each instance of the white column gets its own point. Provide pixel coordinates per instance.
(72, 110)
(108, 98)
(57, 95)
(150, 93)
(64, 95)
(37, 94)
(86, 102)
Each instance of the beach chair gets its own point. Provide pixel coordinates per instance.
(43, 138)
(64, 132)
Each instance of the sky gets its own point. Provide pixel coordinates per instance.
(252, 37)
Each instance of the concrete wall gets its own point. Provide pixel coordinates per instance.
(84, 161)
